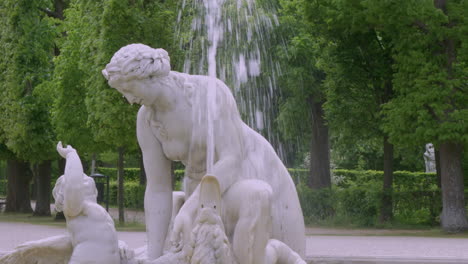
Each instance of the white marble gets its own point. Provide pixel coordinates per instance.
(429, 158)
(258, 197)
(91, 237)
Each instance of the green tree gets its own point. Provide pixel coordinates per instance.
(69, 113)
(303, 96)
(28, 39)
(356, 56)
(18, 181)
(431, 104)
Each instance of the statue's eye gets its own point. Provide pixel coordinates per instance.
(214, 206)
(202, 206)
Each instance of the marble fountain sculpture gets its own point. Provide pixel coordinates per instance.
(194, 119)
(240, 204)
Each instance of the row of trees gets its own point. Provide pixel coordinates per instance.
(388, 71)
(357, 75)
(52, 88)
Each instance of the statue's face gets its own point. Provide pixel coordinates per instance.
(89, 189)
(136, 92)
(430, 148)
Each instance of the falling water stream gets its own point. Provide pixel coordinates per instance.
(232, 40)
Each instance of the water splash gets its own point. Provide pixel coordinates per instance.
(232, 40)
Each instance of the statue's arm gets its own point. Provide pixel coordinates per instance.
(228, 143)
(157, 166)
(229, 139)
(229, 148)
(73, 186)
(158, 194)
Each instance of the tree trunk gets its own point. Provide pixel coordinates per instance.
(19, 177)
(386, 209)
(33, 194)
(43, 192)
(120, 193)
(93, 164)
(453, 218)
(59, 6)
(61, 167)
(319, 176)
(438, 175)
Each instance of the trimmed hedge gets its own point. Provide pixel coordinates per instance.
(134, 194)
(354, 198)
(3, 188)
(402, 180)
(131, 174)
(299, 175)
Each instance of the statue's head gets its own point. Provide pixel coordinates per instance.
(89, 189)
(137, 61)
(210, 200)
(430, 148)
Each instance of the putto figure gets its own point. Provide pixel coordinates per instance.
(90, 226)
(91, 238)
(257, 192)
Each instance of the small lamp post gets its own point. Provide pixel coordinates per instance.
(98, 179)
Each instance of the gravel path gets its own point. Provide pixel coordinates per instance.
(388, 247)
(327, 249)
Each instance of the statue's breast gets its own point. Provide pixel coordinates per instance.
(172, 129)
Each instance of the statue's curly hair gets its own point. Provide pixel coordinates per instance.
(137, 61)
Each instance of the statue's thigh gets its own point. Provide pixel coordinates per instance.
(247, 200)
(92, 253)
(247, 218)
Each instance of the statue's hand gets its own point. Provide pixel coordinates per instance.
(64, 151)
(181, 231)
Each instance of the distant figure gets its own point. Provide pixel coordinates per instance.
(429, 158)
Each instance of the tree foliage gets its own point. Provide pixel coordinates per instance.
(69, 111)
(28, 41)
(398, 69)
(28, 36)
(111, 119)
(301, 79)
(431, 54)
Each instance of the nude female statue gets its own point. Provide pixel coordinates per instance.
(259, 198)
